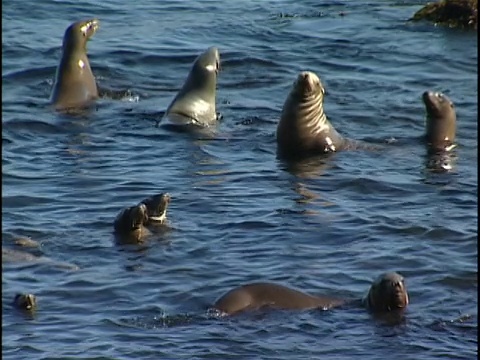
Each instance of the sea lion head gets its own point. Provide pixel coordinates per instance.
(387, 293)
(203, 74)
(77, 34)
(157, 207)
(308, 84)
(208, 61)
(131, 219)
(25, 302)
(441, 120)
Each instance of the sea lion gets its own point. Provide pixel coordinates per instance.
(75, 85)
(25, 302)
(130, 223)
(441, 121)
(26, 242)
(387, 293)
(19, 257)
(304, 129)
(195, 102)
(157, 208)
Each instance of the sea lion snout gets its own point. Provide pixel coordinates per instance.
(80, 32)
(309, 82)
(90, 27)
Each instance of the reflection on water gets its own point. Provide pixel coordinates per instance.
(309, 168)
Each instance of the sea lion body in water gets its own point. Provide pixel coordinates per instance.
(441, 121)
(25, 302)
(75, 85)
(440, 130)
(387, 293)
(131, 223)
(195, 103)
(11, 256)
(304, 129)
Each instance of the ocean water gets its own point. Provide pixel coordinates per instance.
(238, 214)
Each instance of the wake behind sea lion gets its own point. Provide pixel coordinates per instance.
(75, 85)
(304, 129)
(387, 293)
(195, 103)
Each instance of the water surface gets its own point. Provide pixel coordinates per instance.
(238, 214)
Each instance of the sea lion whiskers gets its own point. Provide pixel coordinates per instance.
(90, 25)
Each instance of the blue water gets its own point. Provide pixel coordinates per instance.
(238, 214)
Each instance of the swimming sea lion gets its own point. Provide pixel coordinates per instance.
(157, 208)
(130, 223)
(303, 128)
(75, 84)
(26, 242)
(25, 302)
(195, 102)
(441, 121)
(19, 257)
(387, 293)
